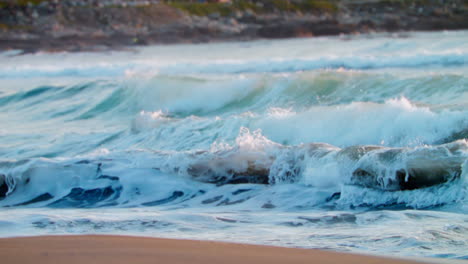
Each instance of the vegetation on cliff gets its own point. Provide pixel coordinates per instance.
(64, 23)
(225, 9)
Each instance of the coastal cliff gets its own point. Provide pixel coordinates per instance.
(75, 25)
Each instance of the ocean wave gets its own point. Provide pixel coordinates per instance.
(155, 114)
(186, 95)
(320, 142)
(342, 62)
(396, 122)
(233, 66)
(384, 176)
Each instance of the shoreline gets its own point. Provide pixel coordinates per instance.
(87, 25)
(75, 44)
(126, 249)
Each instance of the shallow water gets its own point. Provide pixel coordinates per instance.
(151, 141)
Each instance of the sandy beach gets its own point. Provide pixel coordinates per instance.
(123, 249)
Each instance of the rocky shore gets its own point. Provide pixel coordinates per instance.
(76, 25)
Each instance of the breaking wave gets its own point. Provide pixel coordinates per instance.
(354, 176)
(326, 143)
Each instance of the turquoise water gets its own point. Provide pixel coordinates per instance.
(344, 143)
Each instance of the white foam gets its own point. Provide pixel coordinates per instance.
(397, 122)
(130, 131)
(364, 52)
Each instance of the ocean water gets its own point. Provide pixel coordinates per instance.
(354, 144)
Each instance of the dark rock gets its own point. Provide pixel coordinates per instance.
(34, 14)
(214, 16)
(71, 25)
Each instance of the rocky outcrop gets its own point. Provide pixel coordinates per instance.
(75, 25)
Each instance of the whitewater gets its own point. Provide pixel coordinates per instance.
(347, 143)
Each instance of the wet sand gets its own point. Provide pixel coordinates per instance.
(125, 249)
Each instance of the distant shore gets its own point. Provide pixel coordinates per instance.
(123, 249)
(90, 25)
